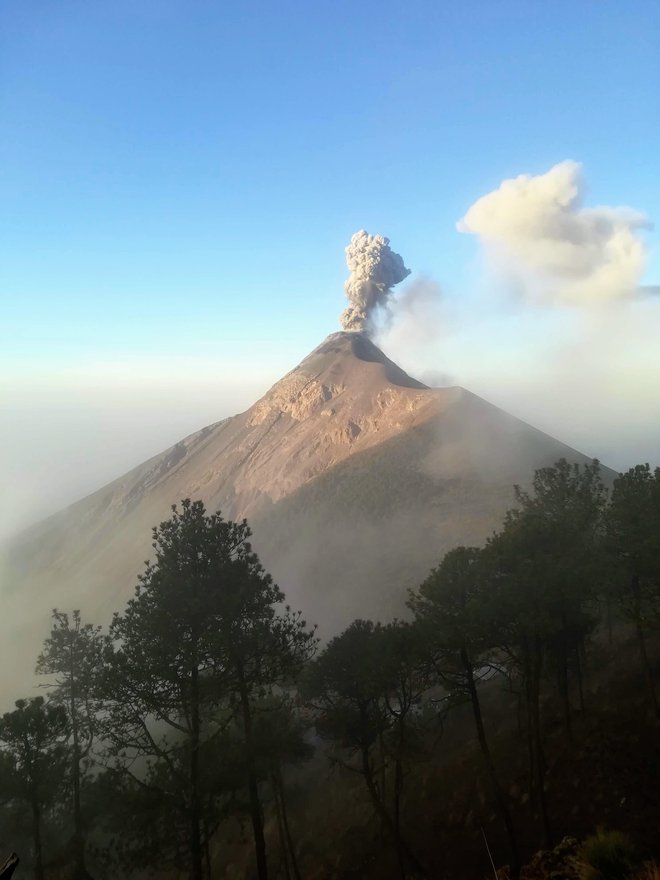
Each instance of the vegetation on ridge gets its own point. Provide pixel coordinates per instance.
(209, 709)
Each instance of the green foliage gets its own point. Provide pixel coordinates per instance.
(558, 863)
(345, 685)
(633, 543)
(192, 697)
(32, 769)
(544, 568)
(33, 737)
(452, 628)
(279, 735)
(550, 542)
(457, 640)
(632, 519)
(201, 644)
(203, 624)
(607, 855)
(72, 657)
(146, 817)
(366, 688)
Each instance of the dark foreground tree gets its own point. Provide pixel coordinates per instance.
(279, 740)
(633, 541)
(364, 689)
(202, 641)
(456, 638)
(34, 736)
(145, 819)
(72, 657)
(541, 572)
(563, 522)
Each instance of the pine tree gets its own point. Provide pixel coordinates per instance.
(201, 642)
(633, 542)
(456, 638)
(34, 736)
(72, 657)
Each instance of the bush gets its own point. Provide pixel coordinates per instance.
(607, 855)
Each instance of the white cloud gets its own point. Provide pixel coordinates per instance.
(535, 230)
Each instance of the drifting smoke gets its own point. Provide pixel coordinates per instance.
(535, 229)
(375, 269)
(418, 316)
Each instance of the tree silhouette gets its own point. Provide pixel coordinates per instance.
(633, 541)
(202, 640)
(456, 638)
(354, 689)
(542, 569)
(34, 736)
(72, 655)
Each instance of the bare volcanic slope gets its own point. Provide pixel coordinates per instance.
(355, 476)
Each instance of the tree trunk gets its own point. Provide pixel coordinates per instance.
(36, 839)
(648, 672)
(529, 699)
(285, 822)
(80, 869)
(539, 759)
(398, 786)
(196, 853)
(404, 853)
(383, 766)
(253, 785)
(78, 837)
(207, 851)
(284, 849)
(578, 664)
(505, 813)
(564, 679)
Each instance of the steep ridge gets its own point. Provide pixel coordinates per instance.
(355, 477)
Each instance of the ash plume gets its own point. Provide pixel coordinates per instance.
(375, 269)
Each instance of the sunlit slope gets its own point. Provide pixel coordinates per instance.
(352, 541)
(355, 476)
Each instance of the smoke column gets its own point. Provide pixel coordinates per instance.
(375, 269)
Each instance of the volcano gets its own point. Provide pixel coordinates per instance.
(355, 478)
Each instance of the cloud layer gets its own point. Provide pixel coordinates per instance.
(535, 230)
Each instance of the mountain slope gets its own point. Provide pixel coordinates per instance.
(355, 477)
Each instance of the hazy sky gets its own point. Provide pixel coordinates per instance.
(178, 181)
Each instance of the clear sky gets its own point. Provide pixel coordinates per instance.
(178, 181)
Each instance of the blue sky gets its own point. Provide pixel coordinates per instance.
(178, 181)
